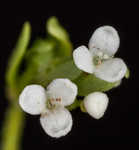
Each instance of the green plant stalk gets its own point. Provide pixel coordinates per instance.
(14, 117)
(13, 128)
(17, 56)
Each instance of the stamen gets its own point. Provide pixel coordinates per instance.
(99, 58)
(99, 62)
(58, 99)
(52, 102)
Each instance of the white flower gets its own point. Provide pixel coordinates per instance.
(96, 104)
(55, 119)
(99, 60)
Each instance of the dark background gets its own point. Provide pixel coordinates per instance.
(119, 126)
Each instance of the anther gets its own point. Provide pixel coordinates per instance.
(58, 99)
(52, 99)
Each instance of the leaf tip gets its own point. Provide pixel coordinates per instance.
(27, 27)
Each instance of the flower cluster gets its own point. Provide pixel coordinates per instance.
(56, 119)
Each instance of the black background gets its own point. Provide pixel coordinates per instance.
(119, 126)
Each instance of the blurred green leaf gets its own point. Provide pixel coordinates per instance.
(66, 69)
(38, 58)
(18, 54)
(90, 83)
(38, 53)
(57, 32)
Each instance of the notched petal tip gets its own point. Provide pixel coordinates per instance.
(106, 39)
(32, 99)
(62, 89)
(83, 59)
(96, 104)
(57, 122)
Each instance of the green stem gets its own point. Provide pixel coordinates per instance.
(12, 129)
(75, 105)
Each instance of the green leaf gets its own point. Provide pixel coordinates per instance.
(38, 53)
(18, 54)
(90, 83)
(66, 69)
(57, 32)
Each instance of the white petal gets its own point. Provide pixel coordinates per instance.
(111, 70)
(56, 122)
(62, 90)
(96, 104)
(83, 59)
(33, 99)
(106, 39)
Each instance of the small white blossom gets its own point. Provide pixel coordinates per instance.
(55, 119)
(96, 104)
(98, 59)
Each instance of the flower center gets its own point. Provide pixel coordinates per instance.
(99, 58)
(52, 102)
